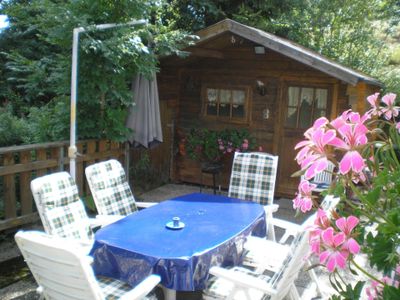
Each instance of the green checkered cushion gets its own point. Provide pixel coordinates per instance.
(220, 288)
(62, 209)
(110, 189)
(253, 177)
(114, 289)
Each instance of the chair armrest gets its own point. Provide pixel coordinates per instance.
(286, 225)
(243, 280)
(142, 289)
(145, 204)
(291, 229)
(271, 208)
(103, 220)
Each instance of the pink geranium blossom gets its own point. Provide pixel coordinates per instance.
(334, 255)
(390, 110)
(374, 101)
(346, 225)
(312, 156)
(353, 134)
(321, 223)
(303, 199)
(398, 127)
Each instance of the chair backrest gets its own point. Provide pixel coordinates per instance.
(61, 210)
(288, 272)
(110, 189)
(324, 177)
(58, 267)
(253, 177)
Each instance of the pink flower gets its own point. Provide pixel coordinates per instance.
(303, 198)
(346, 225)
(260, 149)
(398, 127)
(321, 223)
(352, 160)
(390, 110)
(312, 156)
(245, 144)
(334, 256)
(372, 291)
(353, 133)
(374, 101)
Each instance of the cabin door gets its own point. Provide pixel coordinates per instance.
(302, 104)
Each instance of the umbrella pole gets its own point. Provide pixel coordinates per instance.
(72, 150)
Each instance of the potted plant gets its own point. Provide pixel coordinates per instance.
(210, 146)
(364, 150)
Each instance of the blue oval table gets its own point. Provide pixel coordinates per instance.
(140, 244)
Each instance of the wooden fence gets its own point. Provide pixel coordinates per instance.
(20, 164)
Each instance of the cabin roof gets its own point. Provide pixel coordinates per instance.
(287, 48)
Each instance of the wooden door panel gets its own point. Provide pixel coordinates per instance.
(288, 165)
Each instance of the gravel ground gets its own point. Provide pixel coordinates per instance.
(25, 289)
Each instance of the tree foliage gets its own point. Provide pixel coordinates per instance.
(345, 31)
(36, 54)
(35, 50)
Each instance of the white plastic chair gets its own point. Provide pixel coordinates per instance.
(253, 178)
(61, 210)
(323, 179)
(263, 254)
(63, 272)
(110, 189)
(276, 266)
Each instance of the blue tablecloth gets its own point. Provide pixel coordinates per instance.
(215, 231)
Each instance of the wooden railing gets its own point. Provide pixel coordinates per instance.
(20, 164)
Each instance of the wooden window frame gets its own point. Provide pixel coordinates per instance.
(305, 86)
(229, 119)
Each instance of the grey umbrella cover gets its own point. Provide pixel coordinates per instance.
(144, 117)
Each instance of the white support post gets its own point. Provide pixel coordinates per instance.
(72, 150)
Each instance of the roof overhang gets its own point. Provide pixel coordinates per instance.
(287, 48)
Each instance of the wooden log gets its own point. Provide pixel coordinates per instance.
(10, 210)
(41, 155)
(19, 221)
(24, 185)
(31, 166)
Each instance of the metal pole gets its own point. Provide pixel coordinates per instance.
(72, 150)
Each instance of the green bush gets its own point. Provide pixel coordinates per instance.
(13, 130)
(48, 123)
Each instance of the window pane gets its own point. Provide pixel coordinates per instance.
(321, 101)
(291, 117)
(238, 97)
(319, 113)
(305, 116)
(321, 98)
(212, 95)
(224, 110)
(212, 110)
(224, 97)
(212, 101)
(293, 96)
(238, 111)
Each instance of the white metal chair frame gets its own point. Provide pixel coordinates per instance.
(282, 261)
(63, 272)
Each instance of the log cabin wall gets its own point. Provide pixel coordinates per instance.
(221, 62)
(240, 66)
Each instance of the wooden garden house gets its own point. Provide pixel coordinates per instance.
(238, 76)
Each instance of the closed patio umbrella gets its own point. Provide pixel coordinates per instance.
(144, 117)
